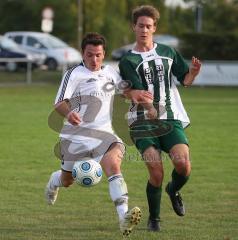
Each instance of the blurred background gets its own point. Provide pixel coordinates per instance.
(53, 31)
(199, 24)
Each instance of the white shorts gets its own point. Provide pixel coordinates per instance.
(86, 148)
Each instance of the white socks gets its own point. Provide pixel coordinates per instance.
(119, 194)
(121, 210)
(55, 180)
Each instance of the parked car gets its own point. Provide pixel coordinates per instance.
(58, 53)
(166, 39)
(9, 49)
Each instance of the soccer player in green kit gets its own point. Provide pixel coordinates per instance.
(152, 66)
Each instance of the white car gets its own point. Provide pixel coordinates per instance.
(58, 54)
(9, 51)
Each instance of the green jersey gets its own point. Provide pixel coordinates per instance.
(155, 71)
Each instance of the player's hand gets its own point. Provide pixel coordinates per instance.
(139, 96)
(195, 67)
(194, 70)
(73, 118)
(152, 113)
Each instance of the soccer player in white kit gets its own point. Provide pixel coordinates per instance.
(85, 99)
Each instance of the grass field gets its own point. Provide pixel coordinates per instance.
(37, 76)
(27, 159)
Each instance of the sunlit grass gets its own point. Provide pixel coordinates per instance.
(27, 159)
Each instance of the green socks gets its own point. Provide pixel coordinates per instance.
(154, 198)
(154, 193)
(177, 182)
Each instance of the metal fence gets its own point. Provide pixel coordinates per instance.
(218, 73)
(213, 73)
(18, 60)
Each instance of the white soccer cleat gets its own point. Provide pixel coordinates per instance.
(51, 193)
(131, 219)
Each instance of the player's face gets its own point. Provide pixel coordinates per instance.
(144, 30)
(93, 57)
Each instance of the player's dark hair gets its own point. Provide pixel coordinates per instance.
(94, 39)
(145, 10)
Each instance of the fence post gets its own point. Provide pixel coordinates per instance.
(29, 73)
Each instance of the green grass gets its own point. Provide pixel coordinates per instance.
(27, 160)
(38, 76)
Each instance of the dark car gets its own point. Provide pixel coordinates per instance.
(169, 40)
(10, 50)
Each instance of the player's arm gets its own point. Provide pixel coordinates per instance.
(144, 98)
(63, 108)
(194, 70)
(138, 96)
(135, 91)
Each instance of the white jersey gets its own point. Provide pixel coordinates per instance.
(91, 94)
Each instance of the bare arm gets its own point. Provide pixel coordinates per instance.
(193, 72)
(63, 109)
(144, 98)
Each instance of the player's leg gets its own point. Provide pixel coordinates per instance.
(52, 187)
(111, 164)
(179, 155)
(149, 149)
(111, 161)
(176, 144)
(60, 178)
(152, 158)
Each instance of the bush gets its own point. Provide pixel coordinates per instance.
(210, 46)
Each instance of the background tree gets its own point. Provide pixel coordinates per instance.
(26, 15)
(112, 18)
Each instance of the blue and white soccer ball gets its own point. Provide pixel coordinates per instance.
(87, 173)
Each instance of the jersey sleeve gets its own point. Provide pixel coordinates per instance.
(65, 90)
(129, 74)
(179, 68)
(118, 83)
(116, 76)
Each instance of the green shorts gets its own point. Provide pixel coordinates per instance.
(164, 142)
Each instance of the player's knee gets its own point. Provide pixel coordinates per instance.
(115, 169)
(183, 166)
(111, 166)
(151, 156)
(180, 159)
(154, 164)
(67, 179)
(156, 176)
(67, 183)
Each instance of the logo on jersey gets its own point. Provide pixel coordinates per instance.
(150, 55)
(160, 72)
(154, 74)
(110, 80)
(149, 75)
(91, 80)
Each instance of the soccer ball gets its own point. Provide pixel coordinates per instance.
(87, 173)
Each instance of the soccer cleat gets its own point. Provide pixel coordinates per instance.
(51, 193)
(176, 201)
(131, 219)
(153, 225)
